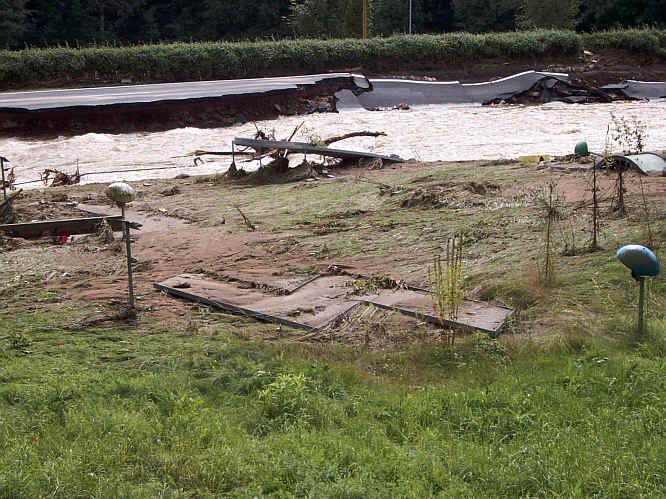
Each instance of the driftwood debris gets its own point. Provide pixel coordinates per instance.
(71, 226)
(265, 146)
(60, 178)
(251, 227)
(303, 147)
(338, 138)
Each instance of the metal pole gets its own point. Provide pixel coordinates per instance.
(128, 250)
(2, 167)
(365, 19)
(641, 299)
(410, 17)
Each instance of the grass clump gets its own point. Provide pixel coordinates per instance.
(447, 284)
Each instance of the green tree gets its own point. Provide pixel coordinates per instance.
(388, 17)
(242, 19)
(478, 16)
(326, 18)
(13, 22)
(437, 17)
(606, 14)
(557, 14)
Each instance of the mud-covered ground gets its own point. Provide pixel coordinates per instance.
(387, 223)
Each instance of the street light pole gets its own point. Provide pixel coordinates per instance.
(122, 194)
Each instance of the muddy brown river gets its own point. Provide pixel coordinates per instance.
(461, 132)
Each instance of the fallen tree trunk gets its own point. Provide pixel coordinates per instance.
(338, 138)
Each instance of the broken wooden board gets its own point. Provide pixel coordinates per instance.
(70, 226)
(303, 147)
(476, 315)
(310, 307)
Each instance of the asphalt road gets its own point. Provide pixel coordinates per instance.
(134, 94)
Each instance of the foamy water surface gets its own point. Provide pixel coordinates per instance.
(461, 132)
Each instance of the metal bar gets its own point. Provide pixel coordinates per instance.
(130, 279)
(641, 299)
(4, 187)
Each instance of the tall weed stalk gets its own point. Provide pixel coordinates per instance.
(447, 284)
(551, 212)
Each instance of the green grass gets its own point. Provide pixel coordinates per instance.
(113, 413)
(220, 60)
(569, 402)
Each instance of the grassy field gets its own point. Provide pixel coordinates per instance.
(226, 60)
(189, 402)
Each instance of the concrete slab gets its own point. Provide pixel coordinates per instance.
(311, 307)
(475, 315)
(317, 303)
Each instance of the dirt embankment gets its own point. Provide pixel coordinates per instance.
(167, 115)
(593, 69)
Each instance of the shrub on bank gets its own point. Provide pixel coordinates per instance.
(224, 60)
(649, 41)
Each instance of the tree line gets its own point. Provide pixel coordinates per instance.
(30, 23)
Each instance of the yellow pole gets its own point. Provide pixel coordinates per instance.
(365, 19)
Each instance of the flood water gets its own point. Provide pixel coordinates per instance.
(461, 132)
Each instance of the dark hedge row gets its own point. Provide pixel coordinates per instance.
(223, 60)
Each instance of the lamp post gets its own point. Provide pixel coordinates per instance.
(643, 263)
(122, 193)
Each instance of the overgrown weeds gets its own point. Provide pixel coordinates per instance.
(447, 284)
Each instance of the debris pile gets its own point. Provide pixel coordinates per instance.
(264, 145)
(59, 178)
(557, 90)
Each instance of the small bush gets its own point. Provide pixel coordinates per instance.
(287, 399)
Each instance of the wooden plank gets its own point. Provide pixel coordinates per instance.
(303, 147)
(71, 226)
